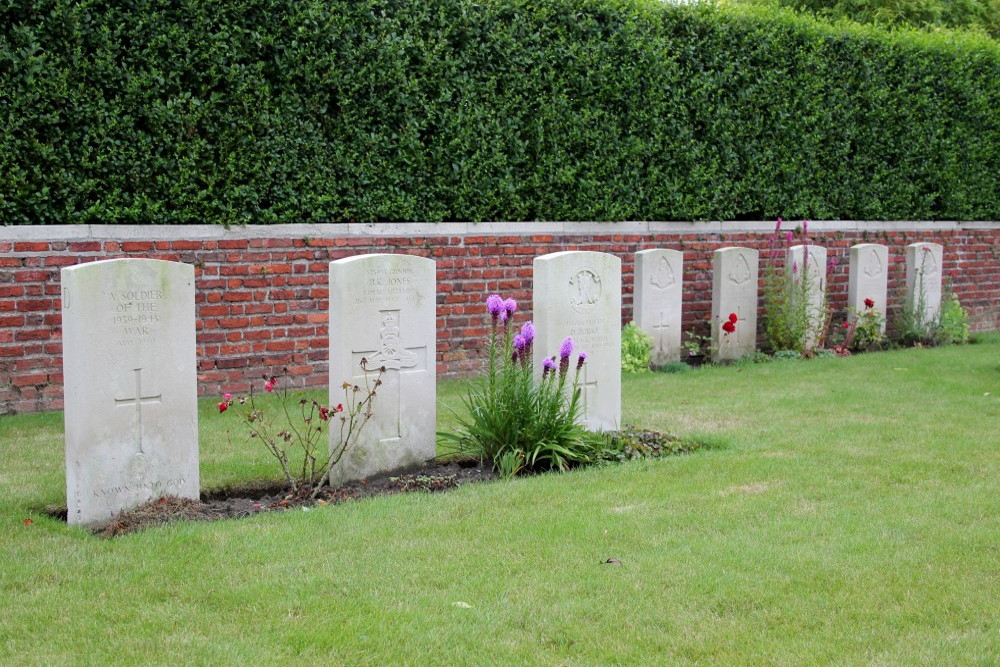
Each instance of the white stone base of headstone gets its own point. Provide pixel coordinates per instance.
(659, 278)
(734, 291)
(807, 280)
(130, 385)
(868, 279)
(578, 294)
(923, 280)
(383, 309)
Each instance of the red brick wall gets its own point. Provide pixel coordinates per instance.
(261, 293)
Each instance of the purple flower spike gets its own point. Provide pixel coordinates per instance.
(795, 267)
(789, 236)
(548, 366)
(566, 349)
(805, 227)
(528, 331)
(510, 306)
(494, 304)
(831, 264)
(503, 316)
(519, 342)
(579, 361)
(777, 227)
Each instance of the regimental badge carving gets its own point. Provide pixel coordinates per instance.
(390, 351)
(584, 290)
(874, 265)
(740, 273)
(663, 276)
(928, 264)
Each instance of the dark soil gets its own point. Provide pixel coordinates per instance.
(244, 501)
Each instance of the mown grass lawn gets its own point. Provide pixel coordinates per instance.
(847, 513)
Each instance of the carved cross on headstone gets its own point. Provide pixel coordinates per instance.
(586, 388)
(661, 330)
(397, 359)
(138, 400)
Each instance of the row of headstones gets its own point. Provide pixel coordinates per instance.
(129, 359)
(130, 383)
(658, 292)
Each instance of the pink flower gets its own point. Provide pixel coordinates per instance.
(789, 236)
(777, 227)
(228, 397)
(270, 384)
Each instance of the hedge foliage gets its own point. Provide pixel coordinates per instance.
(273, 111)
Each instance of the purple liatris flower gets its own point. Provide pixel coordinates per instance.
(519, 342)
(789, 236)
(777, 227)
(510, 306)
(548, 366)
(494, 304)
(566, 348)
(528, 332)
(579, 360)
(805, 227)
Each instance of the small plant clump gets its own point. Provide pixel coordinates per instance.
(306, 431)
(632, 443)
(637, 349)
(514, 422)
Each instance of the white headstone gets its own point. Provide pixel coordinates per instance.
(807, 279)
(383, 309)
(869, 279)
(129, 366)
(579, 295)
(923, 279)
(659, 276)
(734, 291)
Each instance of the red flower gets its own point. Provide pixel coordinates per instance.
(869, 303)
(733, 318)
(847, 325)
(324, 413)
(339, 408)
(728, 326)
(223, 406)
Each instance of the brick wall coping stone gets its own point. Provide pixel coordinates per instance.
(368, 230)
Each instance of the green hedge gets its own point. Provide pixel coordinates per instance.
(273, 111)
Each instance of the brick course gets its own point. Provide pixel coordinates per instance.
(261, 293)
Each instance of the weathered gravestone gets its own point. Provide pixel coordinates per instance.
(579, 294)
(869, 279)
(923, 280)
(805, 267)
(131, 414)
(734, 292)
(383, 310)
(657, 295)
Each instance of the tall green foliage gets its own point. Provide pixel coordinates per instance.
(272, 111)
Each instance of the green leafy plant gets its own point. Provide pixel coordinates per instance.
(631, 442)
(697, 345)
(953, 322)
(791, 321)
(637, 349)
(302, 425)
(513, 421)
